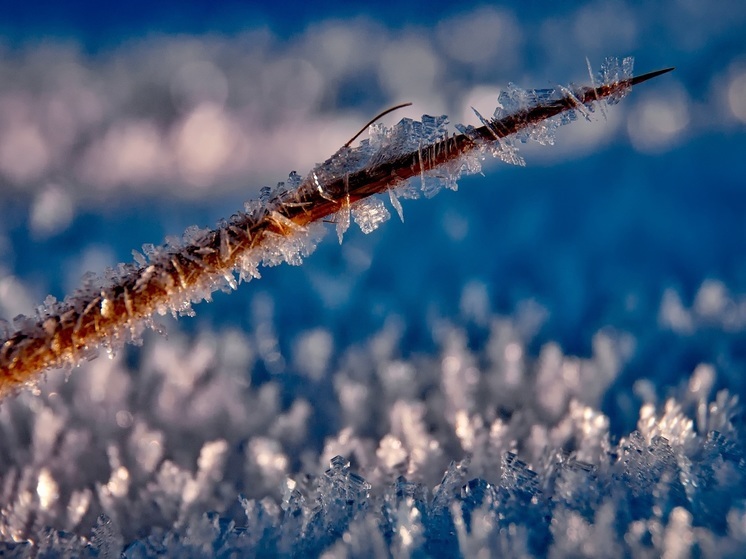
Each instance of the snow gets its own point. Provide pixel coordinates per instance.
(539, 474)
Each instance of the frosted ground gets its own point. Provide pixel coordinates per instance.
(547, 362)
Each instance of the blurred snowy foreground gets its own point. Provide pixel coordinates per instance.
(479, 450)
(523, 368)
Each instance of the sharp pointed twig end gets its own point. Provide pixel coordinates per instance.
(650, 75)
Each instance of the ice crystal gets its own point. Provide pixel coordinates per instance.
(613, 70)
(369, 214)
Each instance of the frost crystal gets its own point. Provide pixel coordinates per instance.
(343, 219)
(612, 71)
(369, 214)
(542, 477)
(396, 204)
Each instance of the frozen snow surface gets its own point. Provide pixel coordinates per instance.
(547, 363)
(477, 449)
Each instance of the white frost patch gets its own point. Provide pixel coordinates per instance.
(204, 144)
(737, 96)
(47, 489)
(51, 212)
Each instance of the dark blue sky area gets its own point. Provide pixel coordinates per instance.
(99, 24)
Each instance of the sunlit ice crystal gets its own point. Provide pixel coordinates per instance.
(612, 71)
(369, 213)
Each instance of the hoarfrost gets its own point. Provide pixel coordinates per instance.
(343, 219)
(613, 70)
(502, 148)
(396, 204)
(369, 213)
(541, 477)
(313, 351)
(291, 249)
(106, 540)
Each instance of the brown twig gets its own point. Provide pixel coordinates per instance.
(117, 311)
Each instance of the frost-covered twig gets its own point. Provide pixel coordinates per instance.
(285, 225)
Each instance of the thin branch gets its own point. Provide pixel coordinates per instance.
(115, 310)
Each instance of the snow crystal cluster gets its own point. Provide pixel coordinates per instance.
(218, 444)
